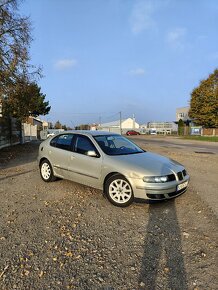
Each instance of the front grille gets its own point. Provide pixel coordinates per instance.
(184, 172)
(180, 176)
(156, 196)
(171, 177)
(172, 194)
(160, 196)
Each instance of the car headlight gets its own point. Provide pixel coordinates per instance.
(155, 179)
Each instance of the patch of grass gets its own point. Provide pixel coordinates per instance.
(202, 138)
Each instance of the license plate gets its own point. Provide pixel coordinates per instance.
(182, 185)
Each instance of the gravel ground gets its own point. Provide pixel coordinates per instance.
(63, 235)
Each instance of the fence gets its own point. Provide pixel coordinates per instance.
(10, 131)
(197, 130)
(30, 132)
(210, 132)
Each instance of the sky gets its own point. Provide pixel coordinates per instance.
(102, 57)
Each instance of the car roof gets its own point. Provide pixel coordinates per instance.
(90, 132)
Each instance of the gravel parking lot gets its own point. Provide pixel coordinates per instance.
(63, 235)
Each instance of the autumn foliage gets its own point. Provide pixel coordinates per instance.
(19, 92)
(204, 102)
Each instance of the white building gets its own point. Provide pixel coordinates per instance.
(164, 128)
(182, 114)
(45, 125)
(126, 124)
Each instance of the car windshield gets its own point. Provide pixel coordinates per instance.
(117, 145)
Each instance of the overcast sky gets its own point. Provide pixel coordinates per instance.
(141, 57)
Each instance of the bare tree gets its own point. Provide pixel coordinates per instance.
(19, 92)
(15, 39)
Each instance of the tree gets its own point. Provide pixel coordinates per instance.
(181, 127)
(16, 74)
(50, 125)
(26, 99)
(15, 40)
(58, 125)
(204, 102)
(64, 127)
(82, 127)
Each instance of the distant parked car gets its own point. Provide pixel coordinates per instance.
(132, 132)
(50, 135)
(153, 132)
(53, 132)
(112, 163)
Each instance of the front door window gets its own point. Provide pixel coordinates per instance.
(83, 145)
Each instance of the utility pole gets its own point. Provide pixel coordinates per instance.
(133, 117)
(120, 123)
(99, 121)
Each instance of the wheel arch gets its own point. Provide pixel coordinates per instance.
(118, 202)
(42, 159)
(53, 176)
(108, 176)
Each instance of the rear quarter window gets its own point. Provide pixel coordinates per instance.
(53, 142)
(62, 142)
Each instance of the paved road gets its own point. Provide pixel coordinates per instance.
(174, 142)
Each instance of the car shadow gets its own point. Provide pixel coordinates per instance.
(18, 155)
(17, 174)
(163, 260)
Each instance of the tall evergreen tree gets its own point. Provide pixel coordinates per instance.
(25, 100)
(58, 125)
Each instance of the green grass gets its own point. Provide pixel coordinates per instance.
(202, 138)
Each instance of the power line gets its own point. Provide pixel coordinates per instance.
(84, 113)
(108, 117)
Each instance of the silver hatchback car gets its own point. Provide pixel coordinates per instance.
(112, 163)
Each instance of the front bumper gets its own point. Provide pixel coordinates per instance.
(158, 191)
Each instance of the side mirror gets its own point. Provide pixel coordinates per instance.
(92, 154)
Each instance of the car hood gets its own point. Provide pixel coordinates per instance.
(147, 163)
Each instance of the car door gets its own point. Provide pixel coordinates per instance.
(84, 168)
(59, 154)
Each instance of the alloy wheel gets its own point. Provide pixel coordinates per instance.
(120, 191)
(45, 171)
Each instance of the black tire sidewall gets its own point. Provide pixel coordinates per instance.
(107, 184)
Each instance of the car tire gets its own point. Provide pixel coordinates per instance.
(46, 171)
(119, 191)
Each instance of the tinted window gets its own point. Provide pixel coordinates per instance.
(117, 145)
(63, 141)
(83, 145)
(53, 141)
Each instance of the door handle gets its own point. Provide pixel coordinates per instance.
(72, 157)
